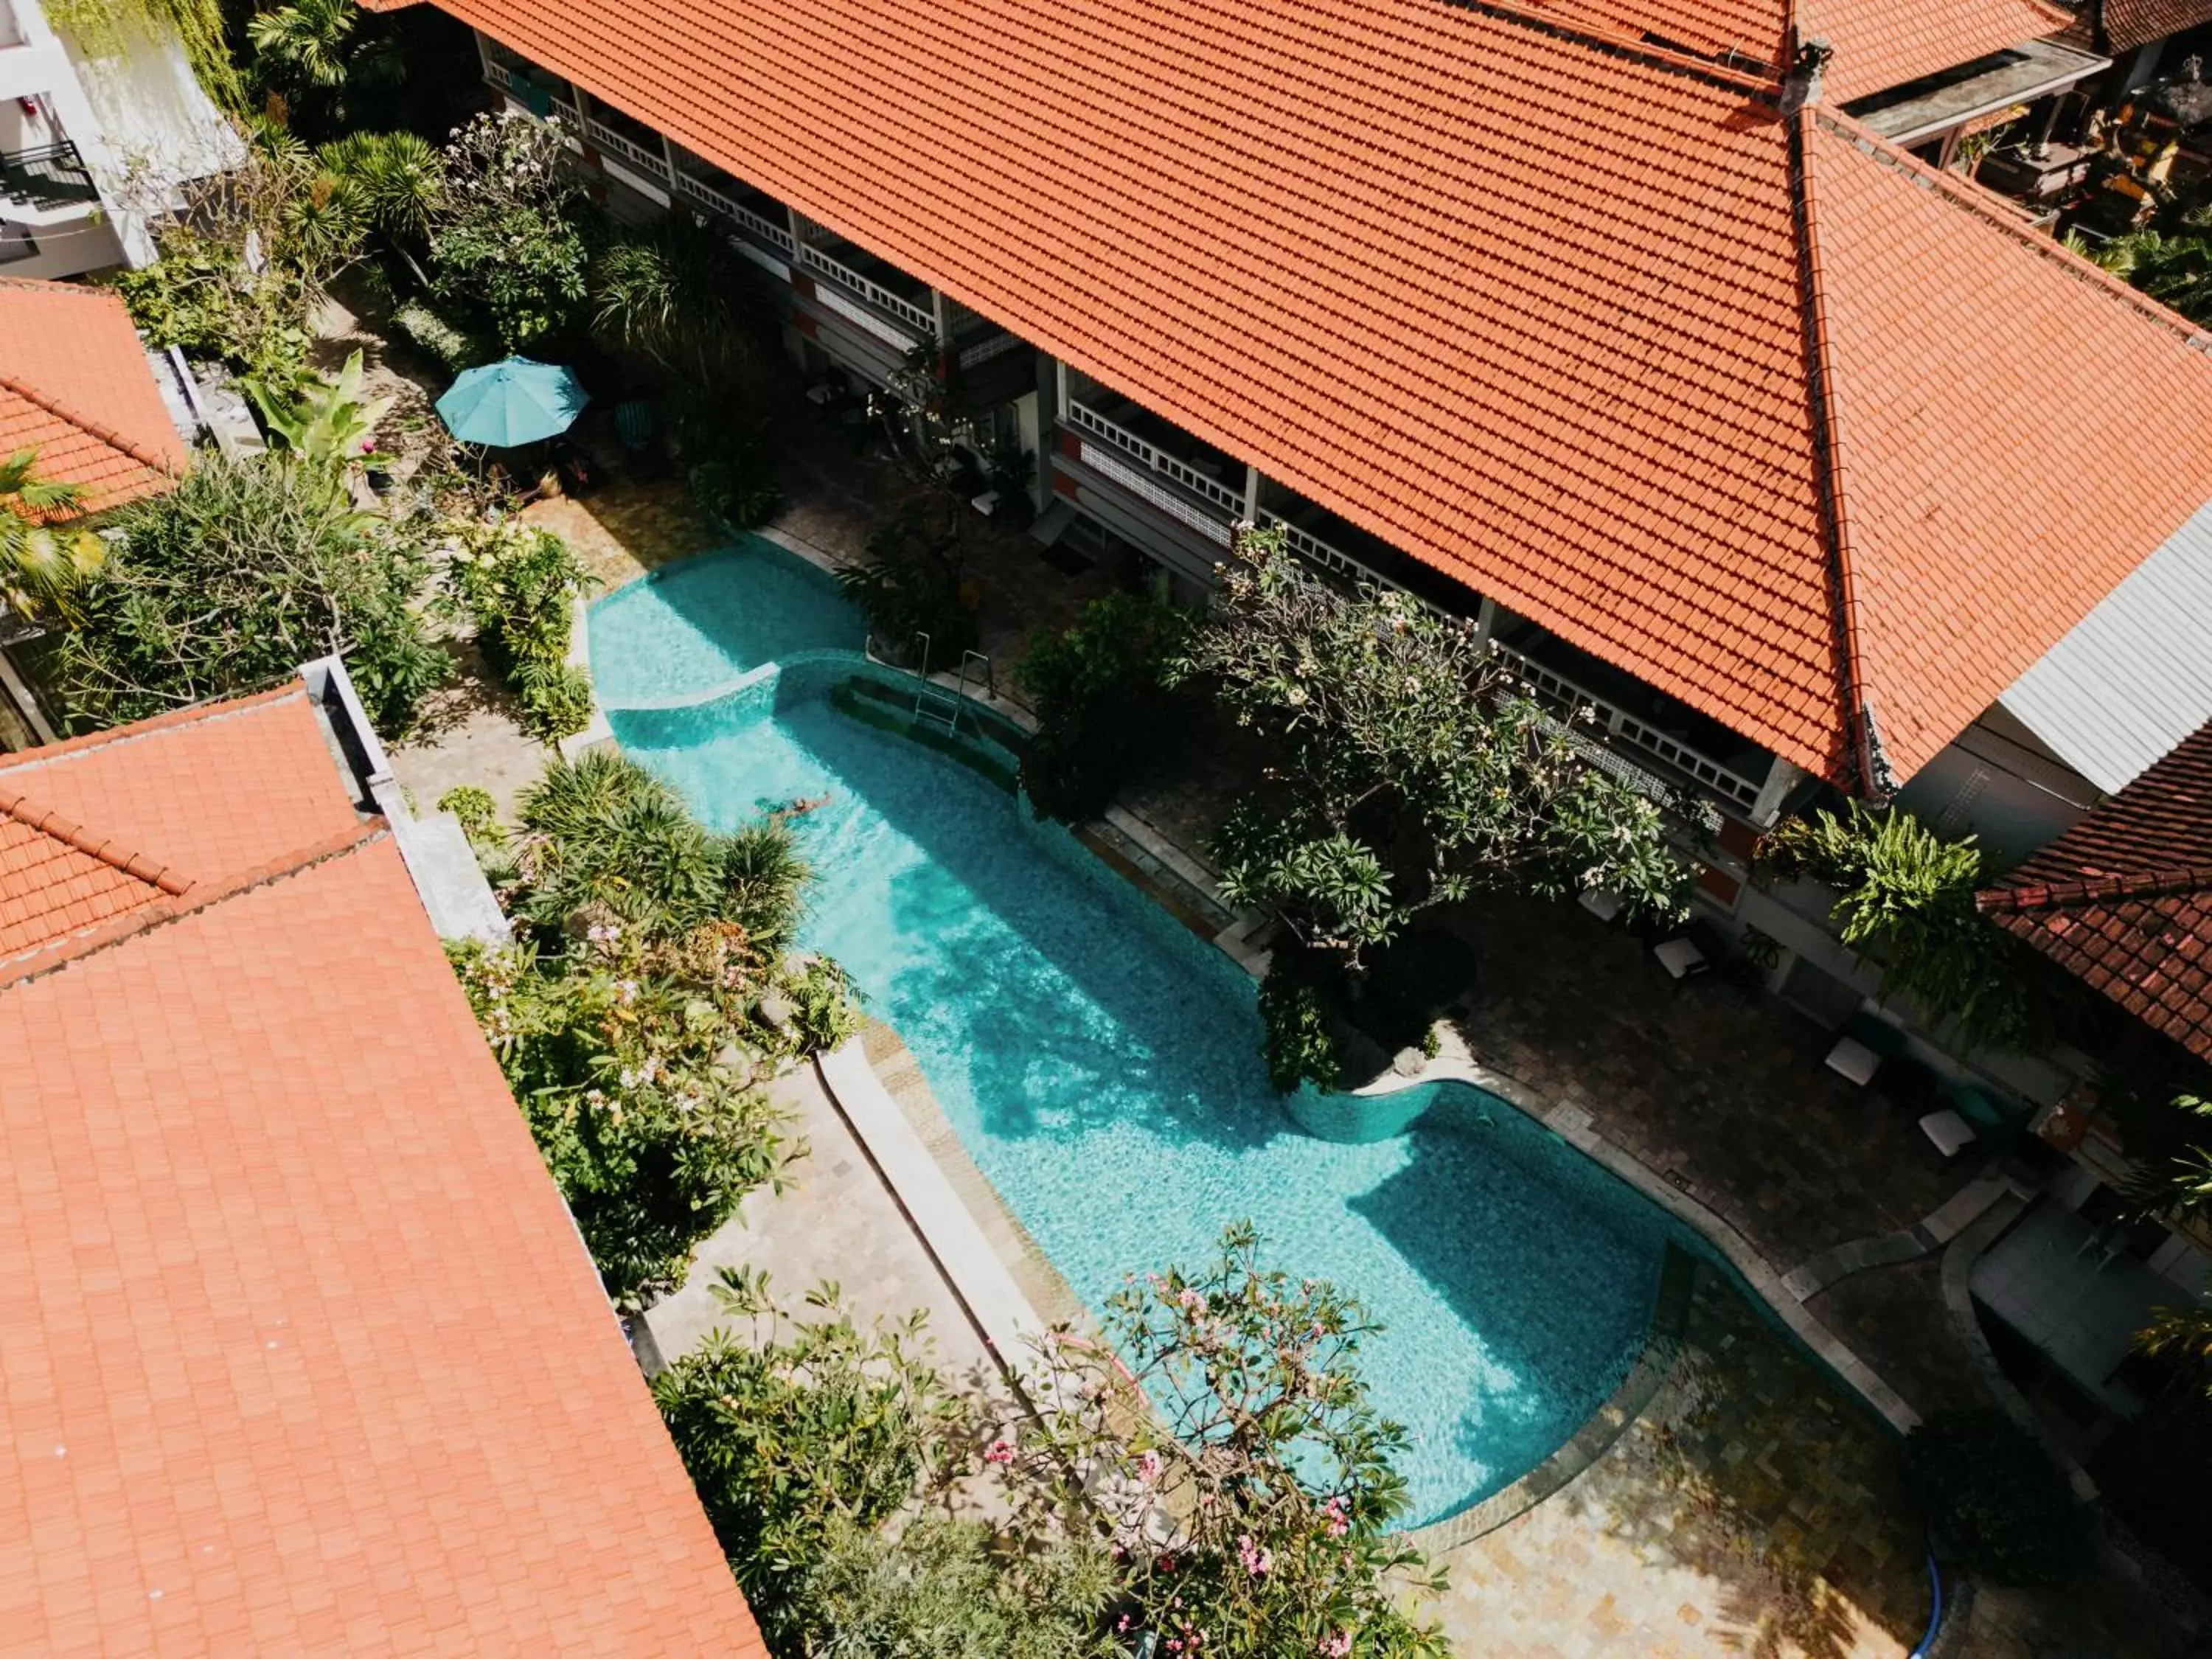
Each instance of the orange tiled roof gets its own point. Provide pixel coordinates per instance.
(2118, 26)
(2124, 899)
(1886, 43)
(299, 1349)
(1569, 319)
(74, 386)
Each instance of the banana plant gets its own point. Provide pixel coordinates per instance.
(326, 422)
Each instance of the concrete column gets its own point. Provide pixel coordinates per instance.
(1060, 391)
(940, 312)
(1251, 493)
(1486, 619)
(1781, 778)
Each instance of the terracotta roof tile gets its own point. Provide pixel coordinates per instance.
(2117, 25)
(299, 1349)
(2124, 899)
(1531, 305)
(1886, 43)
(74, 386)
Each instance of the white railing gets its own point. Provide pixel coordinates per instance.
(498, 75)
(874, 293)
(1312, 549)
(861, 318)
(776, 235)
(635, 153)
(1181, 472)
(982, 351)
(1619, 724)
(1177, 506)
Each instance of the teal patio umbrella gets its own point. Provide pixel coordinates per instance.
(514, 402)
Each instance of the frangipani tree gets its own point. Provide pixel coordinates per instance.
(1415, 772)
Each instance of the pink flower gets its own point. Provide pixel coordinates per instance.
(1338, 1524)
(1148, 1467)
(1337, 1645)
(999, 1452)
(1256, 1561)
(1191, 1299)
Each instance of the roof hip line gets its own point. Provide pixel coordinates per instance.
(100, 429)
(1857, 732)
(44, 820)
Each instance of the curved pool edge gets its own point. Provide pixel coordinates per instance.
(1574, 1125)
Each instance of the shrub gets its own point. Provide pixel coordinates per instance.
(1102, 701)
(1994, 1502)
(519, 585)
(1253, 1431)
(800, 1429)
(652, 1139)
(478, 811)
(678, 292)
(912, 585)
(1906, 895)
(453, 348)
(1296, 1039)
(955, 1589)
(229, 581)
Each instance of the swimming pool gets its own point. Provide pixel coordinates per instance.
(1100, 1063)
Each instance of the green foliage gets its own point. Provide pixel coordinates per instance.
(951, 1589)
(679, 293)
(320, 64)
(325, 422)
(1994, 1502)
(229, 581)
(911, 585)
(653, 1134)
(1296, 1040)
(478, 813)
(454, 349)
(1246, 1418)
(43, 562)
(518, 585)
(1907, 895)
(200, 297)
(730, 456)
(103, 28)
(799, 1430)
(395, 180)
(507, 235)
(1100, 693)
(2174, 267)
(1415, 773)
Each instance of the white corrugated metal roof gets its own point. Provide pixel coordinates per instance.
(2135, 675)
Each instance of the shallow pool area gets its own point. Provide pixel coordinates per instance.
(1100, 1063)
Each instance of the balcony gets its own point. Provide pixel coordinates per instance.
(908, 304)
(1690, 749)
(540, 91)
(49, 176)
(1187, 480)
(752, 213)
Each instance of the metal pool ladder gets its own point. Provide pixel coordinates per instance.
(933, 702)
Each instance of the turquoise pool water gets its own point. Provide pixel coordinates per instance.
(1100, 1063)
(696, 625)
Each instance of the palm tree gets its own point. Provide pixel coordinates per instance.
(2173, 267)
(309, 38)
(397, 177)
(2184, 1332)
(678, 293)
(40, 561)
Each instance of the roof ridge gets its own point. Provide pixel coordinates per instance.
(1673, 60)
(100, 429)
(45, 821)
(1991, 210)
(153, 725)
(2168, 882)
(1857, 733)
(160, 912)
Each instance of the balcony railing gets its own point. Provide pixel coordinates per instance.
(49, 176)
(1316, 551)
(647, 161)
(1619, 725)
(918, 316)
(753, 224)
(1181, 473)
